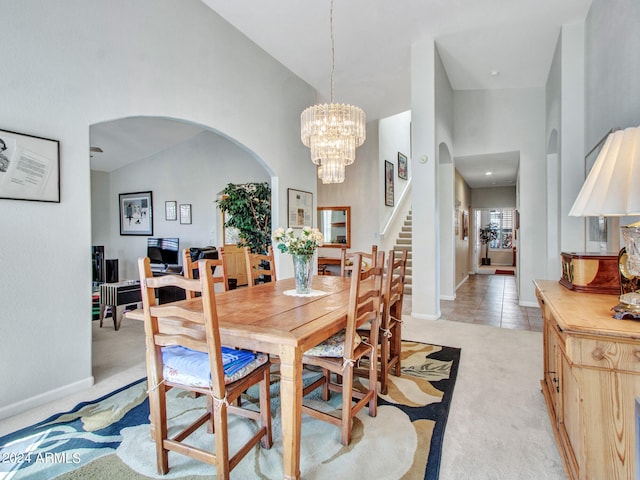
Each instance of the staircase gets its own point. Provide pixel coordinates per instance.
(403, 242)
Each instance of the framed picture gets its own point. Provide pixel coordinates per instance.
(171, 210)
(388, 183)
(185, 214)
(136, 213)
(29, 167)
(465, 225)
(403, 167)
(299, 208)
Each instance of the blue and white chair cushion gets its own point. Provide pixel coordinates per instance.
(191, 368)
(333, 346)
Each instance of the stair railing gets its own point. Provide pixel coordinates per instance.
(393, 225)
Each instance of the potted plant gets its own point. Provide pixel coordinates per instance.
(487, 235)
(247, 208)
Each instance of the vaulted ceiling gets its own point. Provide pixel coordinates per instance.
(484, 44)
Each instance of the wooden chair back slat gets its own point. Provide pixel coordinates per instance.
(347, 260)
(190, 268)
(255, 267)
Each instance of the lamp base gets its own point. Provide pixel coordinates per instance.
(629, 306)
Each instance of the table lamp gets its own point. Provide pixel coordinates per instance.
(611, 189)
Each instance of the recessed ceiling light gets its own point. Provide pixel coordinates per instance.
(495, 73)
(488, 173)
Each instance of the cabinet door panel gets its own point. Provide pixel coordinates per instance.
(572, 414)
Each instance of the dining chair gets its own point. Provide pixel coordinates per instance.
(184, 351)
(390, 336)
(346, 260)
(390, 332)
(219, 266)
(340, 353)
(255, 263)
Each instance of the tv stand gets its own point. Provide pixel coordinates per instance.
(117, 296)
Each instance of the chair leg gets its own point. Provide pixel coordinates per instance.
(158, 409)
(373, 383)
(221, 442)
(396, 346)
(265, 410)
(347, 402)
(384, 363)
(325, 385)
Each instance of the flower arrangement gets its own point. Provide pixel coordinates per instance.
(306, 244)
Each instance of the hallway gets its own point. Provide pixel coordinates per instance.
(491, 300)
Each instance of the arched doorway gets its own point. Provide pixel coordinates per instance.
(180, 163)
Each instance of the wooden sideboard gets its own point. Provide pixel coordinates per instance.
(591, 380)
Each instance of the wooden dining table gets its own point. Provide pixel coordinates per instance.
(265, 319)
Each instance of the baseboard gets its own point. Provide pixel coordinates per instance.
(425, 317)
(462, 282)
(529, 304)
(46, 397)
(447, 297)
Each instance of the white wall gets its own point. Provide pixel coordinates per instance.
(426, 224)
(497, 197)
(612, 43)
(464, 251)
(360, 192)
(394, 138)
(446, 180)
(192, 172)
(490, 121)
(75, 63)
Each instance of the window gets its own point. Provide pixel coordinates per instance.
(504, 220)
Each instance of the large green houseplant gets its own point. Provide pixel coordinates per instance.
(487, 235)
(247, 208)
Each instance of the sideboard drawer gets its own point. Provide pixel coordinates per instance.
(609, 355)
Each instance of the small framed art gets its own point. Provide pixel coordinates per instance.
(403, 167)
(388, 183)
(171, 210)
(185, 214)
(300, 208)
(29, 167)
(136, 213)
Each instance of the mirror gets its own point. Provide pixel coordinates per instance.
(335, 225)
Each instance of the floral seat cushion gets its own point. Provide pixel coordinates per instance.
(333, 346)
(189, 367)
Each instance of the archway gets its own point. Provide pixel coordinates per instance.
(179, 162)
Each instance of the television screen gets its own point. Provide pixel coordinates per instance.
(163, 250)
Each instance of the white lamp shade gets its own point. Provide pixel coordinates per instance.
(612, 187)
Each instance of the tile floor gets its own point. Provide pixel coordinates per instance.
(490, 300)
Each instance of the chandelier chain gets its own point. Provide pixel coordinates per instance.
(332, 47)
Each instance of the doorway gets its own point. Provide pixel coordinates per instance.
(498, 253)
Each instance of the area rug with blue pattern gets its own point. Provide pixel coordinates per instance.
(108, 438)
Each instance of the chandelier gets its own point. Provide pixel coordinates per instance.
(332, 131)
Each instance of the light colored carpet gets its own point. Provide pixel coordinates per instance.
(498, 426)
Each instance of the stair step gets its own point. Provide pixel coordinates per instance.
(407, 290)
(405, 235)
(403, 241)
(403, 247)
